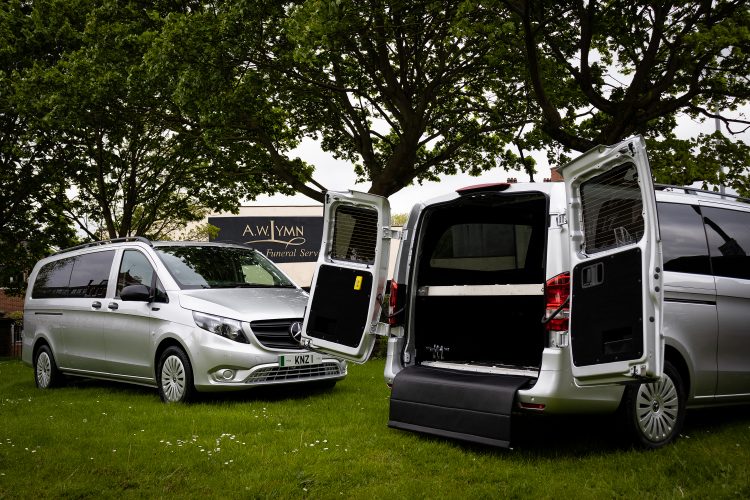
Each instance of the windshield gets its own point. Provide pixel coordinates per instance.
(220, 267)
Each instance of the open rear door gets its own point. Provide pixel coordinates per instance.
(615, 254)
(351, 271)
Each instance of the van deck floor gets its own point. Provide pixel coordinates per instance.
(486, 367)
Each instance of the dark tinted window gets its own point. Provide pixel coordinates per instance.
(53, 279)
(355, 234)
(728, 234)
(683, 240)
(485, 241)
(612, 209)
(135, 269)
(91, 274)
(483, 247)
(160, 295)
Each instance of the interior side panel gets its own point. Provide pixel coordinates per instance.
(340, 301)
(606, 321)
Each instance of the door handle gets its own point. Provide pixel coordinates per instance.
(113, 306)
(96, 305)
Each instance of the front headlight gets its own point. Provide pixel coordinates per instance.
(229, 328)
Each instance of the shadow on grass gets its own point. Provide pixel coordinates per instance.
(269, 393)
(551, 436)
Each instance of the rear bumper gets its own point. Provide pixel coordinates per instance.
(556, 389)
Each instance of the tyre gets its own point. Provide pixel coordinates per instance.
(654, 413)
(175, 376)
(46, 374)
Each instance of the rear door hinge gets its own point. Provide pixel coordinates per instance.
(390, 234)
(382, 329)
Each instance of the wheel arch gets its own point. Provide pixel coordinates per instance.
(163, 345)
(680, 360)
(40, 341)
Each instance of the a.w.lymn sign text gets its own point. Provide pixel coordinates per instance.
(281, 239)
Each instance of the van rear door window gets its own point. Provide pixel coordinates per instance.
(355, 234)
(52, 280)
(612, 209)
(90, 274)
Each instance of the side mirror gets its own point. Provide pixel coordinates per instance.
(135, 293)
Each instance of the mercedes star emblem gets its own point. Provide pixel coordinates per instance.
(295, 330)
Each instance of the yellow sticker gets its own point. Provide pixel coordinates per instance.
(358, 283)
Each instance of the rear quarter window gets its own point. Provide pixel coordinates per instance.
(53, 279)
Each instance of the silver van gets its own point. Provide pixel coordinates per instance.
(599, 294)
(180, 317)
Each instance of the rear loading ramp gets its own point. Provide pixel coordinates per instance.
(474, 407)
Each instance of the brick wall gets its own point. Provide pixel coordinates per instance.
(10, 304)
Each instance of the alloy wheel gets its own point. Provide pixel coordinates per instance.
(657, 409)
(173, 378)
(43, 370)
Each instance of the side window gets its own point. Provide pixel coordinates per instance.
(135, 269)
(683, 240)
(612, 209)
(90, 274)
(52, 280)
(728, 234)
(160, 295)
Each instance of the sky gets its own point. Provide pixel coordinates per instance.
(338, 175)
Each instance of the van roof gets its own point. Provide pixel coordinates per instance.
(141, 239)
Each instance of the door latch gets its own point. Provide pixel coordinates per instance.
(638, 371)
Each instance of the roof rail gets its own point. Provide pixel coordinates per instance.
(695, 191)
(102, 242)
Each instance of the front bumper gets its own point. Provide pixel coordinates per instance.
(251, 365)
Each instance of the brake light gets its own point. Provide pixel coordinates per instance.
(556, 292)
(392, 302)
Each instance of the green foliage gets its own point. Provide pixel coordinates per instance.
(16, 316)
(31, 37)
(675, 62)
(399, 220)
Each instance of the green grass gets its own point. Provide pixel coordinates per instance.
(97, 439)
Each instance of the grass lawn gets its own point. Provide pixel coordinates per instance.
(97, 439)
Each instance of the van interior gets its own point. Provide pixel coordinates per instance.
(486, 239)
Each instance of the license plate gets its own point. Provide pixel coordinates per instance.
(300, 359)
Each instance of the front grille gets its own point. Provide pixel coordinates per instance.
(280, 373)
(274, 333)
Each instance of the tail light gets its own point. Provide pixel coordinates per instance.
(396, 303)
(556, 292)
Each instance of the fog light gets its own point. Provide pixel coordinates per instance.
(228, 374)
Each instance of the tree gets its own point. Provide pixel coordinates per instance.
(135, 173)
(404, 91)
(30, 35)
(601, 72)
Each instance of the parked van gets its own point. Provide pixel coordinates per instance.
(176, 316)
(587, 296)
